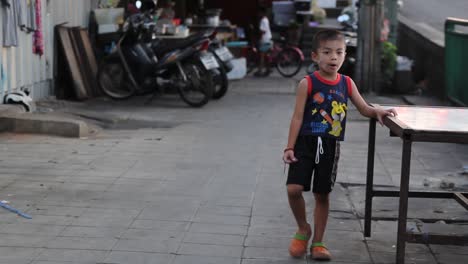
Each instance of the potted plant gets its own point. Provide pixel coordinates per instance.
(388, 63)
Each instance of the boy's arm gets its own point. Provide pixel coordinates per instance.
(365, 109)
(262, 27)
(296, 120)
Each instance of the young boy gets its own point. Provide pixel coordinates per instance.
(317, 127)
(265, 43)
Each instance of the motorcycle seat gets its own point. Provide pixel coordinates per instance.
(163, 46)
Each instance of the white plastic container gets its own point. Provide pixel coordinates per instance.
(239, 70)
(108, 19)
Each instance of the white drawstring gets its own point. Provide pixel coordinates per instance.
(319, 150)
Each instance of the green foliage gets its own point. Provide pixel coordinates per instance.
(293, 24)
(389, 60)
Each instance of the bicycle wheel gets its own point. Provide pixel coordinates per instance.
(288, 62)
(113, 80)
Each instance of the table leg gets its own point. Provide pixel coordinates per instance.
(370, 179)
(403, 204)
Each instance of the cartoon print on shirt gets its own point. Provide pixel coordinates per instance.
(338, 114)
(326, 117)
(325, 108)
(322, 127)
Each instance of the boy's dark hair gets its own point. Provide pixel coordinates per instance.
(262, 10)
(326, 35)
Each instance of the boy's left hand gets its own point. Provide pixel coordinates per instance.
(380, 114)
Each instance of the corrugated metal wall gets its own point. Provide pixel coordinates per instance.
(19, 67)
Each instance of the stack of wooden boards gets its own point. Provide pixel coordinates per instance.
(76, 64)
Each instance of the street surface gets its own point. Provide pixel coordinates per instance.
(169, 184)
(434, 12)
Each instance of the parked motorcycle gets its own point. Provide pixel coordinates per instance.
(224, 57)
(135, 67)
(199, 51)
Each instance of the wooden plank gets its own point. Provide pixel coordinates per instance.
(91, 62)
(462, 199)
(85, 61)
(447, 137)
(78, 50)
(439, 239)
(89, 51)
(382, 192)
(73, 67)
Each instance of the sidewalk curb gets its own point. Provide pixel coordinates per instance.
(423, 100)
(13, 118)
(406, 100)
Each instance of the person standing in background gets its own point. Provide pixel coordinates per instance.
(265, 44)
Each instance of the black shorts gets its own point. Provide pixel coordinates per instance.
(324, 171)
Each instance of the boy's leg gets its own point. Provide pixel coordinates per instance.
(299, 181)
(267, 62)
(324, 180)
(260, 65)
(297, 204)
(321, 211)
(318, 249)
(298, 246)
(262, 61)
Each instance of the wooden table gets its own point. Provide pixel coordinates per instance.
(417, 124)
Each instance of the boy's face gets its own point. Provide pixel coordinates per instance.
(330, 55)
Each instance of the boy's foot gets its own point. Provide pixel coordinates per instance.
(319, 251)
(267, 72)
(298, 246)
(259, 74)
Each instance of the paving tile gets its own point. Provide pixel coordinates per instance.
(69, 255)
(210, 250)
(214, 239)
(218, 229)
(125, 257)
(90, 243)
(191, 259)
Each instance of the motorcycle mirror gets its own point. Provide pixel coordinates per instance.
(138, 4)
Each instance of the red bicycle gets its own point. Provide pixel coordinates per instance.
(287, 58)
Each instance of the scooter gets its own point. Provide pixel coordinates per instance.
(224, 57)
(134, 67)
(216, 59)
(199, 53)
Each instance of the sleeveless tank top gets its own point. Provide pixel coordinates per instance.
(326, 106)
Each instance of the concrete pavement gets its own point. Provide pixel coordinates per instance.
(169, 184)
(432, 13)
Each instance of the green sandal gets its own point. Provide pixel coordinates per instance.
(319, 251)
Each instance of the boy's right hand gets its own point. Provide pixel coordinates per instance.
(288, 156)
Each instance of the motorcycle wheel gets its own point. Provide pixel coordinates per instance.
(114, 81)
(220, 82)
(198, 89)
(288, 62)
